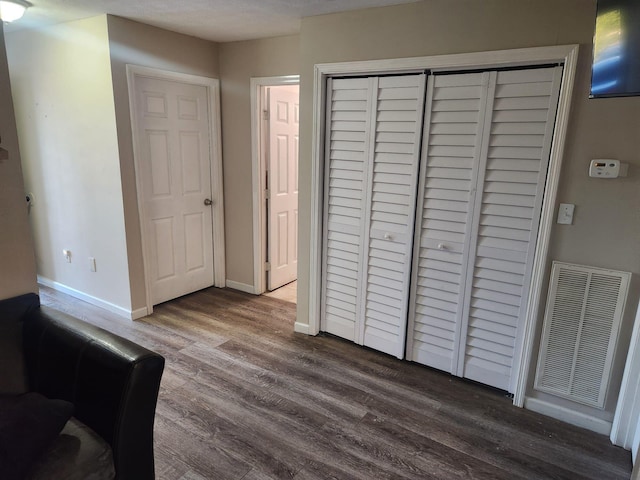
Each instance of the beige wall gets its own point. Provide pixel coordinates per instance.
(606, 229)
(239, 61)
(17, 261)
(138, 44)
(66, 122)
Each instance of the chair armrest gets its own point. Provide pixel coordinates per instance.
(112, 382)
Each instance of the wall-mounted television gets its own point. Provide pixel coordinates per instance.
(615, 71)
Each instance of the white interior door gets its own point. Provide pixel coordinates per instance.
(173, 125)
(488, 142)
(283, 185)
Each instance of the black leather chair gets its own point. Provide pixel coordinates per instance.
(112, 382)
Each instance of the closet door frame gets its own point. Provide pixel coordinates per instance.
(563, 54)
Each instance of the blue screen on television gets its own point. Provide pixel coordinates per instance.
(616, 49)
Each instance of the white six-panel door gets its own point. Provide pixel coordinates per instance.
(487, 149)
(175, 169)
(283, 185)
(373, 142)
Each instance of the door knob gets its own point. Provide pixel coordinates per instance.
(207, 202)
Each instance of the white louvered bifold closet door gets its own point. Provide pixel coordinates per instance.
(346, 179)
(507, 154)
(396, 153)
(374, 127)
(519, 144)
(453, 138)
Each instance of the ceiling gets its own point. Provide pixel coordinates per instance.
(217, 20)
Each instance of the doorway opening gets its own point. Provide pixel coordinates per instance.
(288, 292)
(275, 112)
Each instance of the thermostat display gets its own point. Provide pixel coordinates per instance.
(604, 168)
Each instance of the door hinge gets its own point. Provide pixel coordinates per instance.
(266, 194)
(265, 114)
(267, 266)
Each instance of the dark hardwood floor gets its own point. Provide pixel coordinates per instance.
(244, 397)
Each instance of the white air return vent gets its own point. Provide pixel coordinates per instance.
(581, 326)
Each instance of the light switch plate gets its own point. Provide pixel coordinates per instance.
(565, 213)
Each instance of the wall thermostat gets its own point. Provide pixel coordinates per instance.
(604, 168)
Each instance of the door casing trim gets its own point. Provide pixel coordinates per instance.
(258, 168)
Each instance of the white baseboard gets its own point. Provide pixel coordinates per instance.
(120, 311)
(302, 328)
(243, 287)
(570, 416)
(139, 313)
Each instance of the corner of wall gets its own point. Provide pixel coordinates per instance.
(16, 243)
(66, 124)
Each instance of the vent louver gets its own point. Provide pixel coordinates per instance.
(582, 320)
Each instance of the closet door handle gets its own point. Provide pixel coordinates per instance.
(388, 236)
(442, 246)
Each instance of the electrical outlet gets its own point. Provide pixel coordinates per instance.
(92, 264)
(67, 255)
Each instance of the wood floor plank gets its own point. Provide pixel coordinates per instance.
(243, 397)
(203, 456)
(483, 455)
(262, 449)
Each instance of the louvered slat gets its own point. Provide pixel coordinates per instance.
(582, 320)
